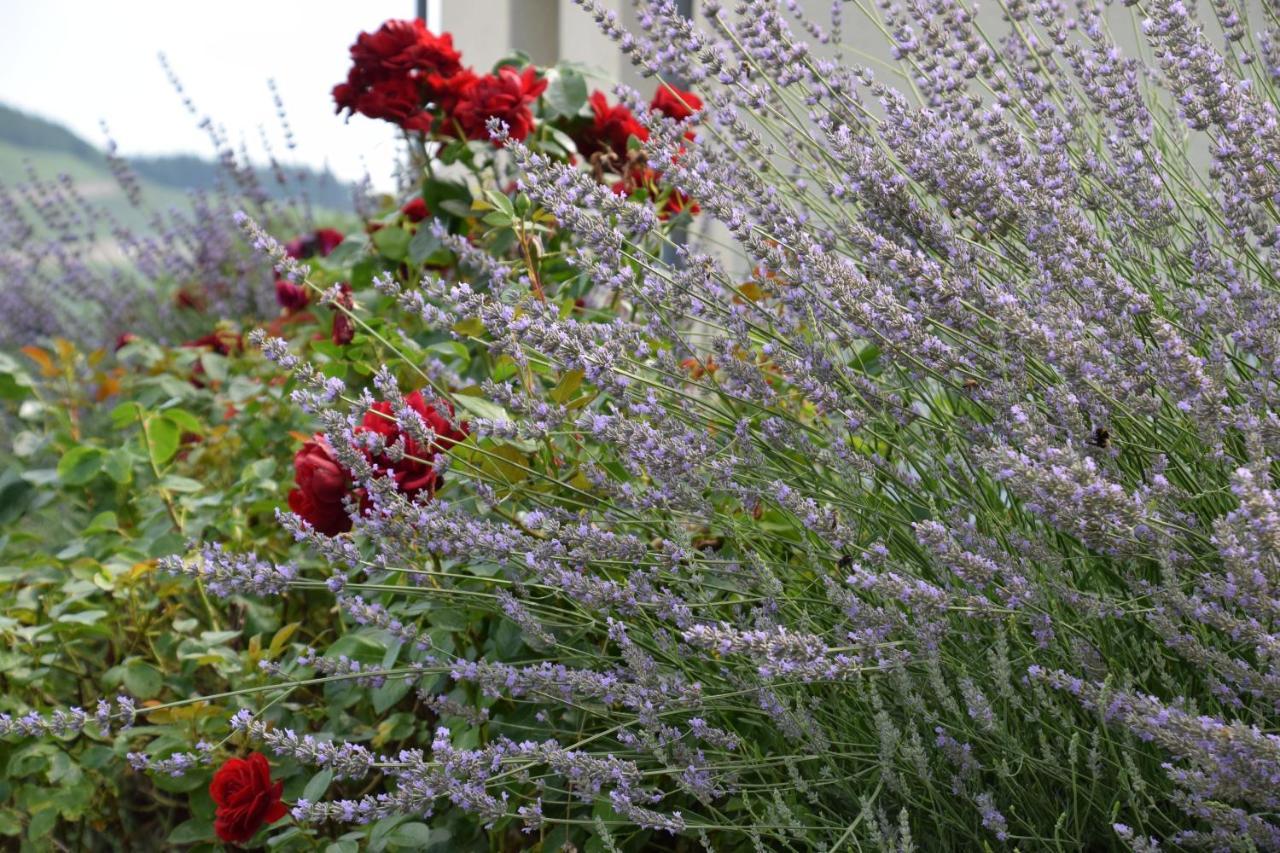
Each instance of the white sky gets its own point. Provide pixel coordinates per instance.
(78, 62)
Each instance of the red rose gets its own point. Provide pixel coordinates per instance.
(416, 474)
(124, 340)
(643, 178)
(675, 103)
(322, 484)
(321, 243)
(343, 329)
(416, 209)
(246, 798)
(404, 48)
(396, 72)
(610, 128)
(398, 100)
(506, 96)
(326, 240)
(291, 296)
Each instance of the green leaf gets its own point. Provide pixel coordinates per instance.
(191, 832)
(481, 407)
(119, 466)
(318, 785)
(143, 680)
(80, 464)
(565, 388)
(389, 694)
(163, 436)
(186, 421)
(348, 250)
(174, 483)
(425, 248)
(126, 413)
(103, 522)
(83, 617)
(416, 836)
(566, 93)
(392, 242)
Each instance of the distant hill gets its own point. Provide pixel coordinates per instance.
(25, 137)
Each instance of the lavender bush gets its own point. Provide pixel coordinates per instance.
(952, 526)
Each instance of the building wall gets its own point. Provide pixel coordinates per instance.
(547, 30)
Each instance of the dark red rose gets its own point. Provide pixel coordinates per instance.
(124, 340)
(343, 329)
(246, 798)
(328, 239)
(675, 103)
(398, 100)
(644, 179)
(405, 47)
(416, 209)
(321, 243)
(322, 483)
(396, 72)
(291, 296)
(506, 96)
(610, 128)
(189, 299)
(417, 474)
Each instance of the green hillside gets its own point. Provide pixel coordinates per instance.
(93, 180)
(55, 150)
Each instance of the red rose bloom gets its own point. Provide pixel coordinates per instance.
(610, 128)
(246, 798)
(321, 243)
(643, 178)
(403, 48)
(418, 474)
(124, 340)
(322, 484)
(416, 209)
(506, 96)
(291, 296)
(343, 329)
(396, 72)
(675, 103)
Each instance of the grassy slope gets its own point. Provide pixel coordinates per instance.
(94, 181)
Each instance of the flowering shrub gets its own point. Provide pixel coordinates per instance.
(952, 524)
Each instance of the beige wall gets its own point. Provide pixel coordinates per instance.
(547, 30)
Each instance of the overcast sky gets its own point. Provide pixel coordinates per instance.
(79, 62)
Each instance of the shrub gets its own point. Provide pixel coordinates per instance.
(952, 525)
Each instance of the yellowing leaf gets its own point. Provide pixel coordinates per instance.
(41, 358)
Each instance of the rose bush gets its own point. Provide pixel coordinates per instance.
(126, 455)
